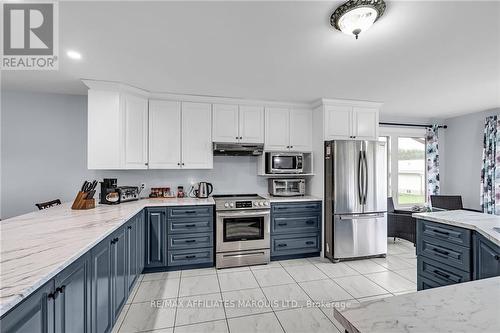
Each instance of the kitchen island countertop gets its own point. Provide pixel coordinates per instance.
(463, 307)
(34, 247)
(480, 222)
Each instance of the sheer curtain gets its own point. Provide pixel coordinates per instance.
(490, 173)
(432, 159)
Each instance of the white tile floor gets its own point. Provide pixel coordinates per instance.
(286, 296)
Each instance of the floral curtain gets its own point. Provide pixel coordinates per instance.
(490, 174)
(432, 157)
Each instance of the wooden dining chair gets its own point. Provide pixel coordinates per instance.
(48, 204)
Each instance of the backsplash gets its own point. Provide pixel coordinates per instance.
(231, 174)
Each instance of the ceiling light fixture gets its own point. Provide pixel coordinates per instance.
(356, 16)
(74, 55)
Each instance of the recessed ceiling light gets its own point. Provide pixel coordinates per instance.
(74, 55)
(357, 16)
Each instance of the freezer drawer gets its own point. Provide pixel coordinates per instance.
(359, 235)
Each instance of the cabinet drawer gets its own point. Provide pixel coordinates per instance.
(191, 241)
(445, 232)
(190, 225)
(424, 283)
(190, 211)
(290, 224)
(444, 275)
(446, 253)
(190, 257)
(294, 244)
(302, 207)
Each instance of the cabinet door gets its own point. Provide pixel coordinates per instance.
(100, 260)
(277, 129)
(156, 238)
(135, 120)
(103, 130)
(132, 253)
(164, 134)
(72, 304)
(251, 124)
(365, 123)
(34, 315)
(119, 271)
(197, 136)
(141, 245)
(338, 122)
(487, 259)
(225, 123)
(301, 130)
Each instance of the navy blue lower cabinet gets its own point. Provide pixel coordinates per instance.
(156, 238)
(132, 252)
(190, 236)
(119, 286)
(72, 301)
(486, 258)
(101, 303)
(141, 242)
(295, 229)
(35, 314)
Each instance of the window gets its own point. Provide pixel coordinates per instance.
(406, 171)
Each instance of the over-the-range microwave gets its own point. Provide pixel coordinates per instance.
(284, 162)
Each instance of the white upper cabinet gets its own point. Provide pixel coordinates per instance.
(338, 122)
(301, 130)
(365, 123)
(196, 131)
(136, 132)
(225, 123)
(233, 123)
(277, 129)
(288, 129)
(117, 130)
(351, 121)
(164, 134)
(251, 124)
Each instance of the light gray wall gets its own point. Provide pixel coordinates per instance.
(463, 156)
(44, 149)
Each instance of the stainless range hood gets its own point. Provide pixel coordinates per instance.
(238, 149)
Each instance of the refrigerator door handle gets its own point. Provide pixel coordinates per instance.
(360, 187)
(360, 216)
(365, 173)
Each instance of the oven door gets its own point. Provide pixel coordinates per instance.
(243, 230)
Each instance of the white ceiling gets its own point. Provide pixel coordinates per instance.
(423, 58)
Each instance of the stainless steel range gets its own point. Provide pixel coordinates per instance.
(242, 230)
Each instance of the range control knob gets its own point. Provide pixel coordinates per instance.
(226, 205)
(231, 204)
(266, 203)
(255, 203)
(261, 203)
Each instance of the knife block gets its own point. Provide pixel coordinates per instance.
(81, 202)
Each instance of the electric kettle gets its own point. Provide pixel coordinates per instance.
(204, 190)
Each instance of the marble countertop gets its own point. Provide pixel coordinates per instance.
(464, 307)
(35, 247)
(292, 199)
(480, 222)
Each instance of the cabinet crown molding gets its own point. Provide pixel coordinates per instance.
(348, 102)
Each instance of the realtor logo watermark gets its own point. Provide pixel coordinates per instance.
(30, 38)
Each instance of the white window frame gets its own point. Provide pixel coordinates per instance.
(393, 133)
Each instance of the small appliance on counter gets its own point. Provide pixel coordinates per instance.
(128, 193)
(287, 187)
(202, 190)
(110, 194)
(180, 192)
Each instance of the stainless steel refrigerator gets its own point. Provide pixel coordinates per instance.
(355, 199)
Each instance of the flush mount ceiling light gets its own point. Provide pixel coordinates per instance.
(356, 16)
(74, 55)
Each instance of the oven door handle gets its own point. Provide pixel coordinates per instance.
(244, 213)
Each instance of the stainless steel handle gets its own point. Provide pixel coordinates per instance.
(360, 194)
(243, 255)
(365, 176)
(360, 216)
(244, 213)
